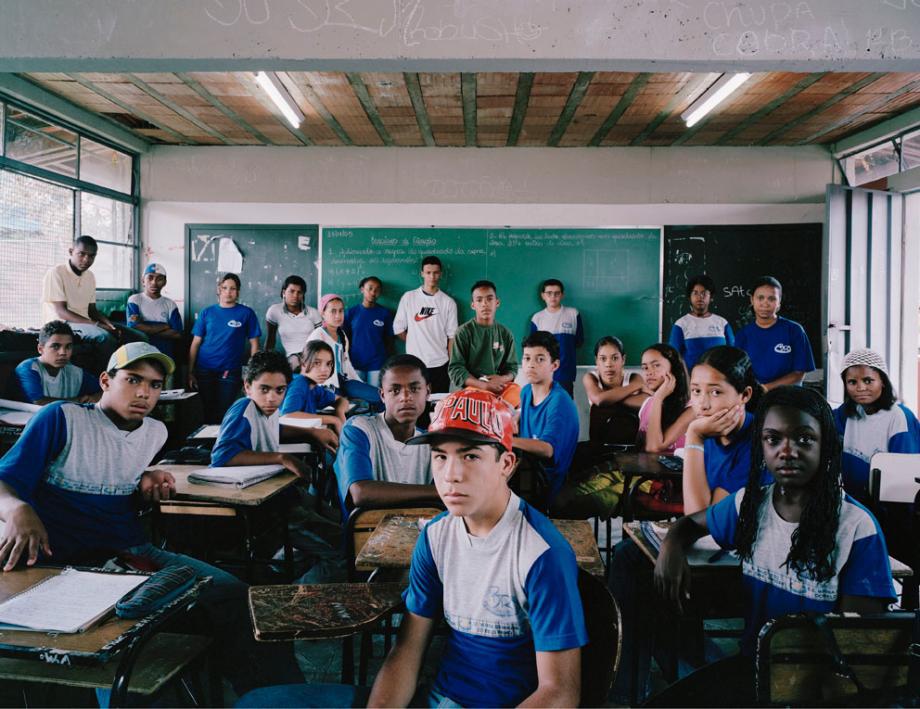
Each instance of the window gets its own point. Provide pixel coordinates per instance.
(54, 181)
(910, 151)
(872, 164)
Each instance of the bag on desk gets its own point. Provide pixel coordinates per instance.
(161, 589)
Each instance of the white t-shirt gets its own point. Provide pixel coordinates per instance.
(429, 321)
(293, 329)
(62, 284)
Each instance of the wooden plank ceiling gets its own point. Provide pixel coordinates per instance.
(572, 109)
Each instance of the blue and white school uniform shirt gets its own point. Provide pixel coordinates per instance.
(728, 466)
(306, 396)
(554, 420)
(224, 333)
(860, 561)
(368, 329)
(893, 431)
(776, 350)
(565, 325)
(368, 451)
(79, 472)
(35, 382)
(245, 428)
(691, 336)
(504, 597)
(142, 309)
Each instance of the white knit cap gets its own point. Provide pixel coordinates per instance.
(867, 357)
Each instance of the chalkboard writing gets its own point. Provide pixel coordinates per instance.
(270, 253)
(734, 257)
(611, 275)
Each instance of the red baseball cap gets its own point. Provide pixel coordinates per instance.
(471, 414)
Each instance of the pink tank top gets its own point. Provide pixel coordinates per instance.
(644, 413)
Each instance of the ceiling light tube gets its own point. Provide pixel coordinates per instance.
(713, 96)
(272, 85)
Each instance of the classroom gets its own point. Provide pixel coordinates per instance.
(661, 258)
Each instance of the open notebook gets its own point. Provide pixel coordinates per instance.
(238, 475)
(69, 602)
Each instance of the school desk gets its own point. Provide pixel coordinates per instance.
(391, 543)
(108, 655)
(226, 501)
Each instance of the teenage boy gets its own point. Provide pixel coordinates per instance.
(154, 314)
(67, 497)
(426, 320)
(699, 330)
(69, 294)
(484, 356)
(778, 348)
(250, 433)
(374, 466)
(564, 323)
(495, 569)
(369, 328)
(549, 419)
(50, 376)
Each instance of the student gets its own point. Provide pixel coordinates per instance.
(564, 323)
(344, 378)
(483, 356)
(806, 547)
(370, 327)
(67, 496)
(664, 416)
(698, 330)
(778, 348)
(306, 394)
(663, 420)
(615, 395)
(717, 448)
(292, 320)
(216, 355)
(495, 569)
(69, 294)
(426, 320)
(154, 314)
(250, 432)
(50, 376)
(549, 419)
(870, 419)
(374, 466)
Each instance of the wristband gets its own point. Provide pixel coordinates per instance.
(694, 447)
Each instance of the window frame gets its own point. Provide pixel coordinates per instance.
(896, 140)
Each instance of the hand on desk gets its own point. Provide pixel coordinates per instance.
(156, 485)
(23, 533)
(295, 464)
(325, 437)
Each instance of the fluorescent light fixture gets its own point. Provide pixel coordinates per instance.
(272, 85)
(713, 96)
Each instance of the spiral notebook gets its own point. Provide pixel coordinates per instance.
(70, 602)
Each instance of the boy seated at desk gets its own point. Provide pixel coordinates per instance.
(250, 432)
(67, 496)
(483, 355)
(50, 376)
(548, 427)
(374, 466)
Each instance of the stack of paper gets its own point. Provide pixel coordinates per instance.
(238, 475)
(299, 422)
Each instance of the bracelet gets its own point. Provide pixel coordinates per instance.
(694, 447)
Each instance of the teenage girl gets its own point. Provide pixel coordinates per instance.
(344, 378)
(664, 416)
(805, 546)
(870, 419)
(615, 396)
(306, 394)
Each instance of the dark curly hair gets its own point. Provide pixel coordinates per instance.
(673, 406)
(814, 540)
(266, 361)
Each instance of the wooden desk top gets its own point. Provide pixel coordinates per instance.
(390, 545)
(251, 496)
(643, 464)
(329, 610)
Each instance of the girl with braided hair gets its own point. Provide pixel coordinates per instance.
(804, 544)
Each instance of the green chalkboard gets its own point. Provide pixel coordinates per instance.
(611, 275)
(270, 253)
